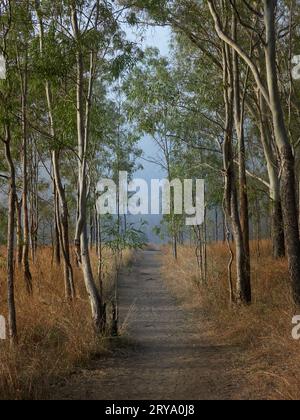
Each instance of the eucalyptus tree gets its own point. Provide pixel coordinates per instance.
(263, 32)
(270, 91)
(7, 98)
(53, 65)
(23, 37)
(99, 47)
(192, 19)
(17, 40)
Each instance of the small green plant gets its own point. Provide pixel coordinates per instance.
(117, 239)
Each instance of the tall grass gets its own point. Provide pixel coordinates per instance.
(54, 335)
(270, 358)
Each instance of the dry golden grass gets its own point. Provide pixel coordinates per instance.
(54, 336)
(270, 358)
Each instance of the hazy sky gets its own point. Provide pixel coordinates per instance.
(160, 38)
(153, 37)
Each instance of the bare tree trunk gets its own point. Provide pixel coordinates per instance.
(56, 224)
(101, 272)
(287, 184)
(19, 232)
(287, 161)
(258, 225)
(205, 266)
(243, 285)
(92, 230)
(26, 239)
(277, 231)
(83, 126)
(239, 111)
(12, 323)
(62, 214)
(34, 208)
(175, 244)
(63, 226)
(231, 259)
(263, 92)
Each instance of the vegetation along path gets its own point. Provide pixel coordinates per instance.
(165, 352)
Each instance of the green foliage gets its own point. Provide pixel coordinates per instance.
(117, 239)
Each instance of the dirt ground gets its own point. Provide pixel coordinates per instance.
(164, 353)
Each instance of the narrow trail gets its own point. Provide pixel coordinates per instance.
(166, 353)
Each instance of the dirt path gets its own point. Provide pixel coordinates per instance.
(165, 355)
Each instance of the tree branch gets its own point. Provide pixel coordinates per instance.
(229, 41)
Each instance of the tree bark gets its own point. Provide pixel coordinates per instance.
(34, 204)
(287, 162)
(239, 111)
(19, 232)
(62, 214)
(277, 231)
(12, 323)
(83, 127)
(243, 285)
(56, 224)
(63, 225)
(26, 238)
